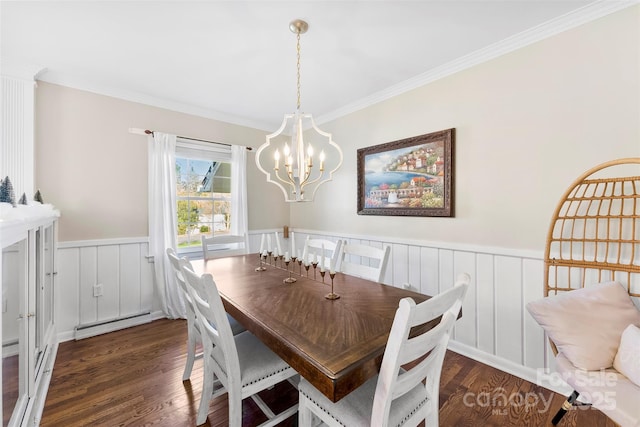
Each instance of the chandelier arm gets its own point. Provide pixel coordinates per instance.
(307, 175)
(284, 181)
(291, 180)
(307, 182)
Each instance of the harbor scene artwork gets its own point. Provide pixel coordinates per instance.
(410, 177)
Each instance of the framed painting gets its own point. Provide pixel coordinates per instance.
(409, 177)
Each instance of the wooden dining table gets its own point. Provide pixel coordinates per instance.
(336, 345)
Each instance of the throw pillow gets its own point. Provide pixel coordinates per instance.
(627, 361)
(586, 324)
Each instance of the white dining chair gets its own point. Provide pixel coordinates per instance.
(194, 336)
(223, 245)
(193, 330)
(240, 365)
(313, 250)
(406, 390)
(363, 261)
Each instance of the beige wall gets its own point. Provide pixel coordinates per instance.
(527, 124)
(92, 169)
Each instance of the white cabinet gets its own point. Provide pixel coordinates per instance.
(28, 328)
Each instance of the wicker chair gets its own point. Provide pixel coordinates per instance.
(594, 237)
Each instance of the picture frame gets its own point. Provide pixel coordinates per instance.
(408, 177)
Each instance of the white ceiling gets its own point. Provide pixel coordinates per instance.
(235, 60)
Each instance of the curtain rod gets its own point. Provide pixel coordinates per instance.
(150, 132)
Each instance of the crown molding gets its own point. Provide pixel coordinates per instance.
(586, 14)
(141, 98)
(15, 69)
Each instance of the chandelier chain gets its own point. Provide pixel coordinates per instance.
(298, 67)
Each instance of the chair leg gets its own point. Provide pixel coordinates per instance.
(235, 409)
(205, 398)
(191, 356)
(305, 415)
(565, 407)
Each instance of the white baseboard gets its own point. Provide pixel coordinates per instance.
(115, 325)
(528, 374)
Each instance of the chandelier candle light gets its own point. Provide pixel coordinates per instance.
(295, 144)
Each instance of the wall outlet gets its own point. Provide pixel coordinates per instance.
(97, 290)
(4, 305)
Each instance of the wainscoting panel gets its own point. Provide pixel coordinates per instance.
(68, 305)
(534, 339)
(124, 277)
(429, 272)
(465, 329)
(88, 277)
(414, 258)
(108, 304)
(130, 293)
(485, 304)
(398, 265)
(508, 289)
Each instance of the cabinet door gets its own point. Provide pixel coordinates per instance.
(37, 295)
(50, 277)
(45, 280)
(14, 332)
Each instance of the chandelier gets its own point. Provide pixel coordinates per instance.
(288, 157)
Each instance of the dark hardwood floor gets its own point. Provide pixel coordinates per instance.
(133, 377)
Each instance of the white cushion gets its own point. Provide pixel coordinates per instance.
(257, 361)
(354, 410)
(627, 361)
(586, 324)
(607, 390)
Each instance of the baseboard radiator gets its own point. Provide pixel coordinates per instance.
(97, 328)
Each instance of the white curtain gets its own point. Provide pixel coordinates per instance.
(163, 220)
(239, 211)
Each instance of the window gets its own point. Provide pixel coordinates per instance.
(203, 192)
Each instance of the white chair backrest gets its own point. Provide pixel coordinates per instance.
(235, 245)
(313, 250)
(350, 261)
(176, 265)
(212, 318)
(401, 350)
